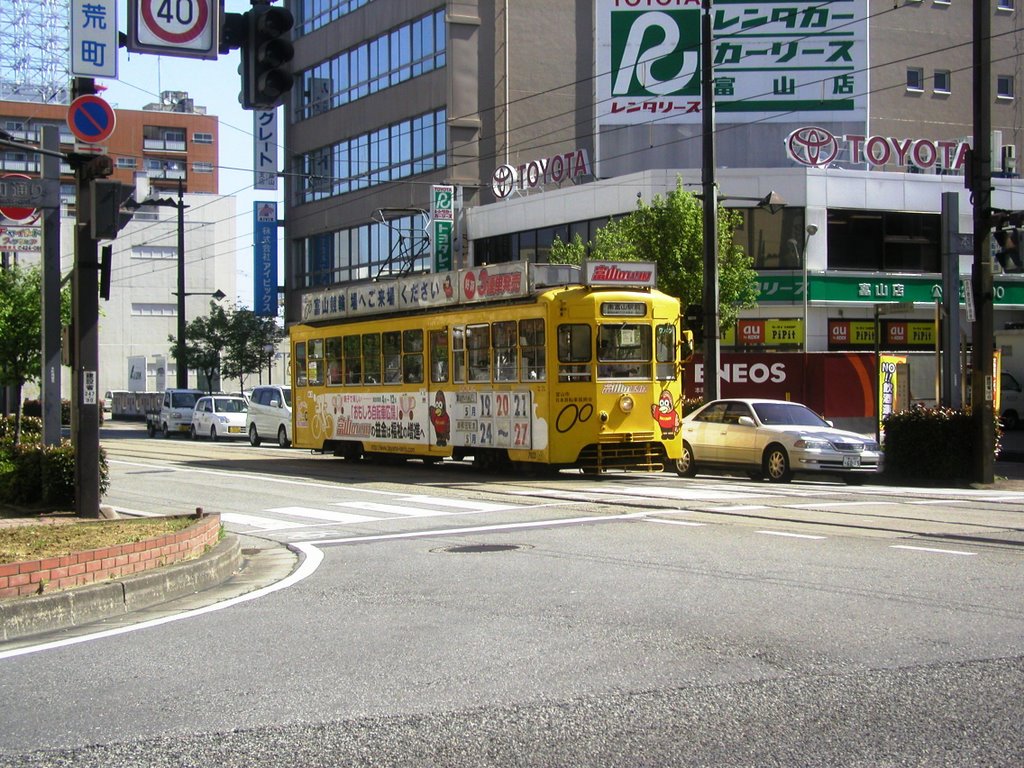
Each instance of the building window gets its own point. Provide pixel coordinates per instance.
(313, 14)
(202, 167)
(884, 241)
(1004, 5)
(392, 58)
(165, 252)
(126, 162)
(915, 79)
(143, 309)
(941, 82)
(202, 138)
(1004, 86)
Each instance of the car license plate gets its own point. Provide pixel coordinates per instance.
(851, 461)
(235, 430)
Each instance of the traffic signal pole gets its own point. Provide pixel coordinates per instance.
(982, 339)
(85, 411)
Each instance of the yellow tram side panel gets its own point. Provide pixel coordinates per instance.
(549, 420)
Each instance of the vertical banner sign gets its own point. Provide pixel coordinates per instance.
(264, 159)
(265, 261)
(94, 38)
(442, 216)
(888, 386)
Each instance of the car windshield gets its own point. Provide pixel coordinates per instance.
(287, 397)
(773, 414)
(183, 399)
(229, 405)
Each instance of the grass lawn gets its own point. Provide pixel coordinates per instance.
(61, 534)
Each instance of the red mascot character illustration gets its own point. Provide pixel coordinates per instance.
(665, 414)
(440, 419)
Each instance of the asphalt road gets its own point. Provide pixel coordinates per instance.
(578, 630)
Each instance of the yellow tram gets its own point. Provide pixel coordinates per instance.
(515, 365)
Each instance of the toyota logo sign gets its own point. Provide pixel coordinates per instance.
(812, 146)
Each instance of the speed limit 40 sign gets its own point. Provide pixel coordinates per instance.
(174, 27)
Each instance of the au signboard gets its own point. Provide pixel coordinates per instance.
(773, 61)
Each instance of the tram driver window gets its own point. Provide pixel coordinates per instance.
(624, 351)
(412, 356)
(478, 347)
(334, 360)
(531, 345)
(315, 363)
(665, 351)
(505, 353)
(300, 364)
(353, 362)
(438, 357)
(574, 352)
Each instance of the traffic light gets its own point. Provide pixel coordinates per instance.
(695, 322)
(266, 54)
(1009, 255)
(106, 218)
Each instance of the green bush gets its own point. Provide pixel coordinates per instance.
(32, 474)
(35, 408)
(931, 443)
(31, 430)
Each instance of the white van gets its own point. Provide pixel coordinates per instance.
(270, 415)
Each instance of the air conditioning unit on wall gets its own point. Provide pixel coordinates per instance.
(1009, 156)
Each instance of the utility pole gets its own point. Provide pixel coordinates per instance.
(50, 384)
(181, 366)
(980, 181)
(712, 324)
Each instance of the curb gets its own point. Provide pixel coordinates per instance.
(33, 615)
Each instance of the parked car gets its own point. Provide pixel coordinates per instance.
(270, 415)
(772, 439)
(217, 416)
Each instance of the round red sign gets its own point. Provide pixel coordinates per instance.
(16, 213)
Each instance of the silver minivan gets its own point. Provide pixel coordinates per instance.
(270, 415)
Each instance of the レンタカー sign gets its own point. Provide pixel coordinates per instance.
(773, 61)
(186, 28)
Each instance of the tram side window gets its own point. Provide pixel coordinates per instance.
(391, 343)
(574, 352)
(624, 351)
(505, 352)
(412, 356)
(353, 362)
(371, 358)
(665, 351)
(438, 357)
(315, 362)
(478, 345)
(531, 346)
(334, 360)
(459, 354)
(300, 364)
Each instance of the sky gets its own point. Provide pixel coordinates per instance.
(214, 85)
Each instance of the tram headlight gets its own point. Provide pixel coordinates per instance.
(626, 403)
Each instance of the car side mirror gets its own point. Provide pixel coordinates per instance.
(275, 404)
(745, 421)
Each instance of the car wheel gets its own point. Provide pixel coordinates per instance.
(213, 434)
(254, 436)
(685, 465)
(776, 465)
(192, 432)
(282, 437)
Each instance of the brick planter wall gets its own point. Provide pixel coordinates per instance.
(51, 574)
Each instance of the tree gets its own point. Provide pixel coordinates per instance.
(205, 339)
(669, 232)
(229, 343)
(252, 343)
(21, 328)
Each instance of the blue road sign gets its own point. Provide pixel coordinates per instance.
(90, 119)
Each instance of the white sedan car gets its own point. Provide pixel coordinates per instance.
(217, 416)
(772, 439)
